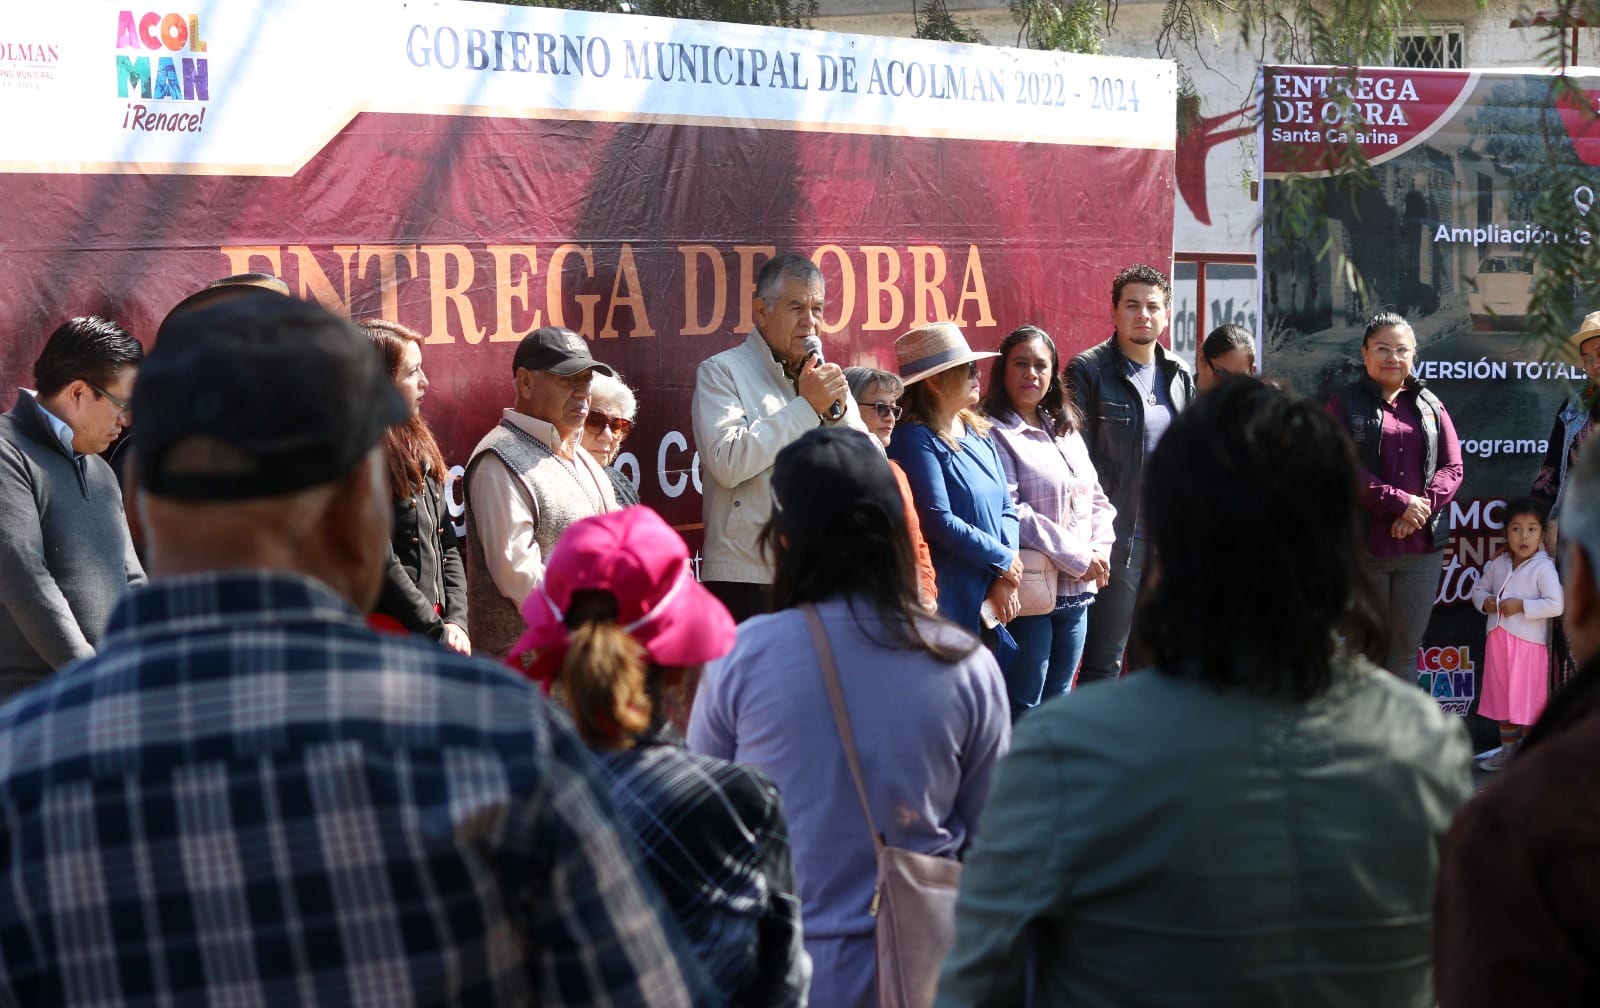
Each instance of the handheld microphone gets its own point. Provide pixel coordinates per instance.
(813, 347)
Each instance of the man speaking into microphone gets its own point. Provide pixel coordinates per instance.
(749, 402)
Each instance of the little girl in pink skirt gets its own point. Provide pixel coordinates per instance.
(1521, 591)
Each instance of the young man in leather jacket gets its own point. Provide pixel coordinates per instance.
(1129, 389)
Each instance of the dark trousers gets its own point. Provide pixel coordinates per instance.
(1111, 616)
(743, 599)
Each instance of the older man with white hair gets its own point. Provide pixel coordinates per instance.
(750, 402)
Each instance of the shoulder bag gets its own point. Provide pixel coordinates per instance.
(1036, 593)
(914, 902)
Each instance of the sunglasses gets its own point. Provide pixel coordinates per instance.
(597, 422)
(886, 410)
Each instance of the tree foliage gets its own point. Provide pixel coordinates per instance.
(1076, 26)
(934, 21)
(774, 13)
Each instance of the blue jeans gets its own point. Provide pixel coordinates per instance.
(1048, 649)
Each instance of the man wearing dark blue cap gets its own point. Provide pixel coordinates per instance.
(527, 480)
(249, 796)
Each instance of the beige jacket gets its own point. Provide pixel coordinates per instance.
(745, 411)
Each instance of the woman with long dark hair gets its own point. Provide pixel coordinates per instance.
(425, 584)
(1261, 810)
(619, 630)
(1061, 509)
(926, 703)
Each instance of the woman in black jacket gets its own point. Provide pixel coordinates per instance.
(424, 585)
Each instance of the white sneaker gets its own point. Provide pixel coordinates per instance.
(1499, 760)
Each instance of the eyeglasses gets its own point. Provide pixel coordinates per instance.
(1220, 373)
(972, 370)
(886, 410)
(597, 422)
(122, 407)
(1385, 352)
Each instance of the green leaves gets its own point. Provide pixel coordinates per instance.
(1078, 26)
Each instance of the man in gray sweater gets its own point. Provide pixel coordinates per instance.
(65, 553)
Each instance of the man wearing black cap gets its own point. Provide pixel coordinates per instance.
(248, 795)
(528, 479)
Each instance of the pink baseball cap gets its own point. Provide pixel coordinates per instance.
(644, 564)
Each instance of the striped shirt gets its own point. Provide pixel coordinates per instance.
(248, 798)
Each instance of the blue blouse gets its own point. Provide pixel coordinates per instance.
(967, 514)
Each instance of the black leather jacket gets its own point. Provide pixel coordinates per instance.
(424, 569)
(1113, 423)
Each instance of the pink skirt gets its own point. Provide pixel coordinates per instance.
(1516, 678)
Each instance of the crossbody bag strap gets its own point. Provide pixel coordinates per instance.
(841, 716)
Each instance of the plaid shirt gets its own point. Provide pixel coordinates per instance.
(248, 798)
(713, 836)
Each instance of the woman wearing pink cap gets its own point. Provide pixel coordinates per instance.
(620, 629)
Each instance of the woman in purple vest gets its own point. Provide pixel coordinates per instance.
(1410, 471)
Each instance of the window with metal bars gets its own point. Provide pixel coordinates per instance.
(1438, 47)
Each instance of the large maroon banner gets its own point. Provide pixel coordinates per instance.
(604, 188)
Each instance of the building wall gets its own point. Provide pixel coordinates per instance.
(1217, 213)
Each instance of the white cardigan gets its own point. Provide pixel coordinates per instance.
(1536, 583)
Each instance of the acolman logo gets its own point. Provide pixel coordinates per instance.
(1447, 674)
(25, 65)
(171, 85)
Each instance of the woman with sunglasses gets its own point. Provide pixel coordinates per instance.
(1061, 510)
(425, 584)
(612, 407)
(877, 394)
(957, 480)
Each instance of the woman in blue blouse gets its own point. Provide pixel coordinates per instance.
(956, 477)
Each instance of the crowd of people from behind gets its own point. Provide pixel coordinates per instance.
(327, 752)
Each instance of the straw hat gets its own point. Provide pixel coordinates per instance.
(1588, 331)
(927, 350)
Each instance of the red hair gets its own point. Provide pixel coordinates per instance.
(410, 447)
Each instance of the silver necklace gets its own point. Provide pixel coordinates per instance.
(1148, 390)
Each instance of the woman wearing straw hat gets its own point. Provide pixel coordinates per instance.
(1575, 421)
(622, 626)
(956, 477)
